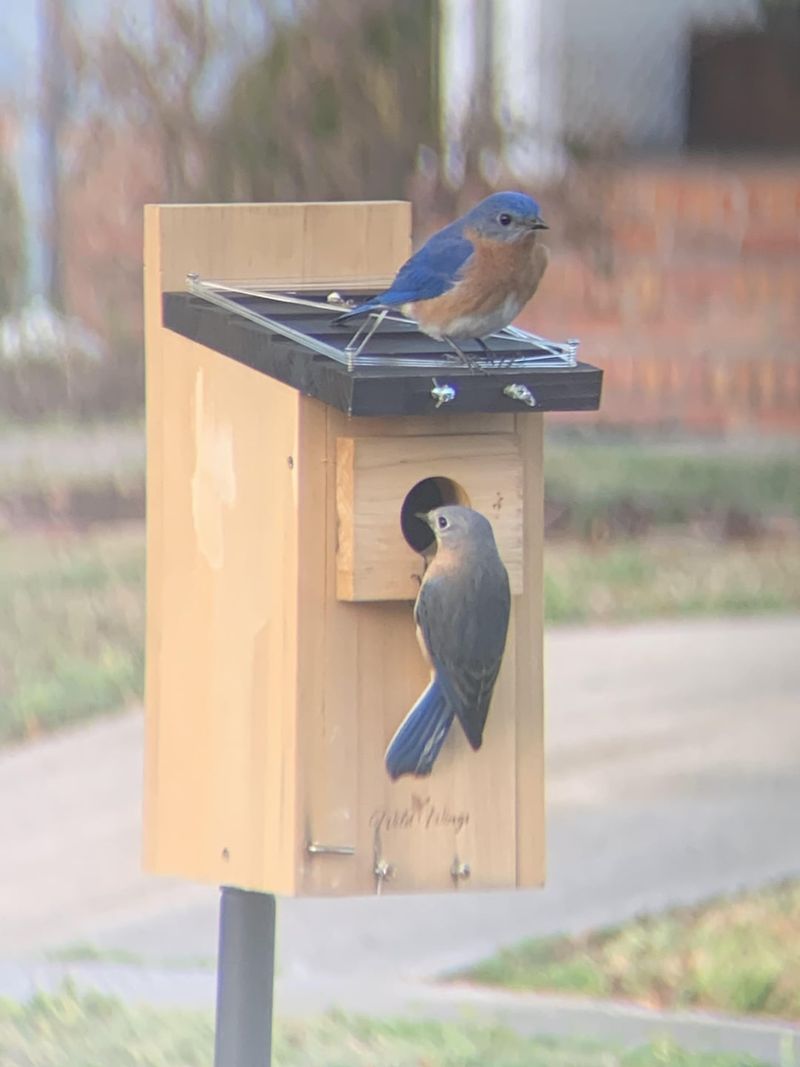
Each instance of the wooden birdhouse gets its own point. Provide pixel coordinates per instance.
(284, 559)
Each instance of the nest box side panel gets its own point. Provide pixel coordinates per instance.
(222, 622)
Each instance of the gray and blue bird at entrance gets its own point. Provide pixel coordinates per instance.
(461, 613)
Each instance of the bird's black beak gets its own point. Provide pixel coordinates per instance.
(539, 224)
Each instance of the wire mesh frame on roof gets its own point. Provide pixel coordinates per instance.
(305, 312)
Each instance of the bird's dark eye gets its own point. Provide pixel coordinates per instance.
(442, 522)
(504, 219)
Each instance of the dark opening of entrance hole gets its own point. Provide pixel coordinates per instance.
(424, 497)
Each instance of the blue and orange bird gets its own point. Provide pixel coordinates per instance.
(472, 278)
(461, 613)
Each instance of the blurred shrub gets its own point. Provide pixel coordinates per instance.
(337, 106)
(48, 363)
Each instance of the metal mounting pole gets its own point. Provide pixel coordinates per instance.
(245, 977)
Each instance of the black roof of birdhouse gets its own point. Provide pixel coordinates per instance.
(393, 370)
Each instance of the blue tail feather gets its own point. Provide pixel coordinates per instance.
(420, 736)
(369, 305)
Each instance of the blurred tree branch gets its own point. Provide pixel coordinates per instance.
(337, 103)
(190, 100)
(155, 80)
(12, 242)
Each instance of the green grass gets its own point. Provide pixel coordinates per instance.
(71, 627)
(86, 952)
(738, 955)
(67, 1029)
(57, 456)
(677, 576)
(666, 484)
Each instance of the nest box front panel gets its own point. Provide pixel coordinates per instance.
(477, 820)
(375, 477)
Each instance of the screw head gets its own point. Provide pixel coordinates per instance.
(459, 872)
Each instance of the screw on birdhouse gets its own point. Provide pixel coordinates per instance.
(459, 871)
(442, 394)
(316, 849)
(572, 346)
(384, 872)
(290, 462)
(517, 391)
(381, 868)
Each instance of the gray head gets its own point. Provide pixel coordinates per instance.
(505, 217)
(459, 527)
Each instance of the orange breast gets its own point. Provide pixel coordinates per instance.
(505, 268)
(500, 274)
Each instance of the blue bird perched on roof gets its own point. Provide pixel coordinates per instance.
(472, 278)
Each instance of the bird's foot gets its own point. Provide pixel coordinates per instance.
(468, 361)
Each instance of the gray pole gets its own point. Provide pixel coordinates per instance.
(245, 977)
(53, 112)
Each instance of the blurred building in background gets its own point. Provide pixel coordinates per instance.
(662, 138)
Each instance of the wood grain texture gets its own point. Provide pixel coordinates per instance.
(374, 672)
(223, 538)
(287, 242)
(237, 553)
(374, 476)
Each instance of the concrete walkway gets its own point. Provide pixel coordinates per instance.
(673, 776)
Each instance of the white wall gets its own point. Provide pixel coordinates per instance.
(588, 71)
(625, 65)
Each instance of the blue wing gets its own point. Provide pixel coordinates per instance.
(430, 272)
(433, 270)
(420, 736)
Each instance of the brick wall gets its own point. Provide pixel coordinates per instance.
(683, 283)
